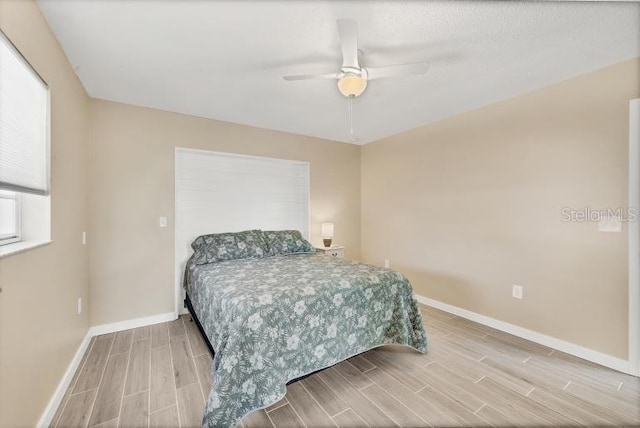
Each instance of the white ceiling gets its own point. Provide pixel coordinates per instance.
(225, 60)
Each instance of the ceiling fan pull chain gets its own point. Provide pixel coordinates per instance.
(351, 118)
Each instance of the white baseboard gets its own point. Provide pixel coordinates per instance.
(56, 399)
(134, 323)
(552, 342)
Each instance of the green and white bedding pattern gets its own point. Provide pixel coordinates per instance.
(274, 319)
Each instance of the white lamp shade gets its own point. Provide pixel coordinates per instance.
(327, 230)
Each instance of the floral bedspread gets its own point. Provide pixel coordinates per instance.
(275, 319)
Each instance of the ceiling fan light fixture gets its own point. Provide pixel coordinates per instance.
(352, 85)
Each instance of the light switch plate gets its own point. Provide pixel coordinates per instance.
(163, 222)
(610, 223)
(516, 291)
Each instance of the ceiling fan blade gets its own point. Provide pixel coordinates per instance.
(312, 76)
(348, 31)
(397, 70)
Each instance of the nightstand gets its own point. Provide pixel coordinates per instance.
(335, 251)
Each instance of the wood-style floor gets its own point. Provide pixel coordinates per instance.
(472, 375)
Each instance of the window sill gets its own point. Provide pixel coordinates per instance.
(21, 246)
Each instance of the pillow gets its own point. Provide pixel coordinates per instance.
(281, 242)
(203, 240)
(218, 247)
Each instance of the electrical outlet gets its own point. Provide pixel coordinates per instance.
(79, 305)
(386, 263)
(516, 291)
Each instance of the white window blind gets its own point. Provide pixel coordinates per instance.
(24, 124)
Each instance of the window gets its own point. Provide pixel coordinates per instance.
(9, 217)
(24, 149)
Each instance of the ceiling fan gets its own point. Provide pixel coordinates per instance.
(352, 77)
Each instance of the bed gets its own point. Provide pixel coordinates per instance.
(277, 317)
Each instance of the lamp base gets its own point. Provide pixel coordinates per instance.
(327, 242)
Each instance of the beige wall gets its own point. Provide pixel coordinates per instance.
(132, 184)
(39, 328)
(470, 205)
